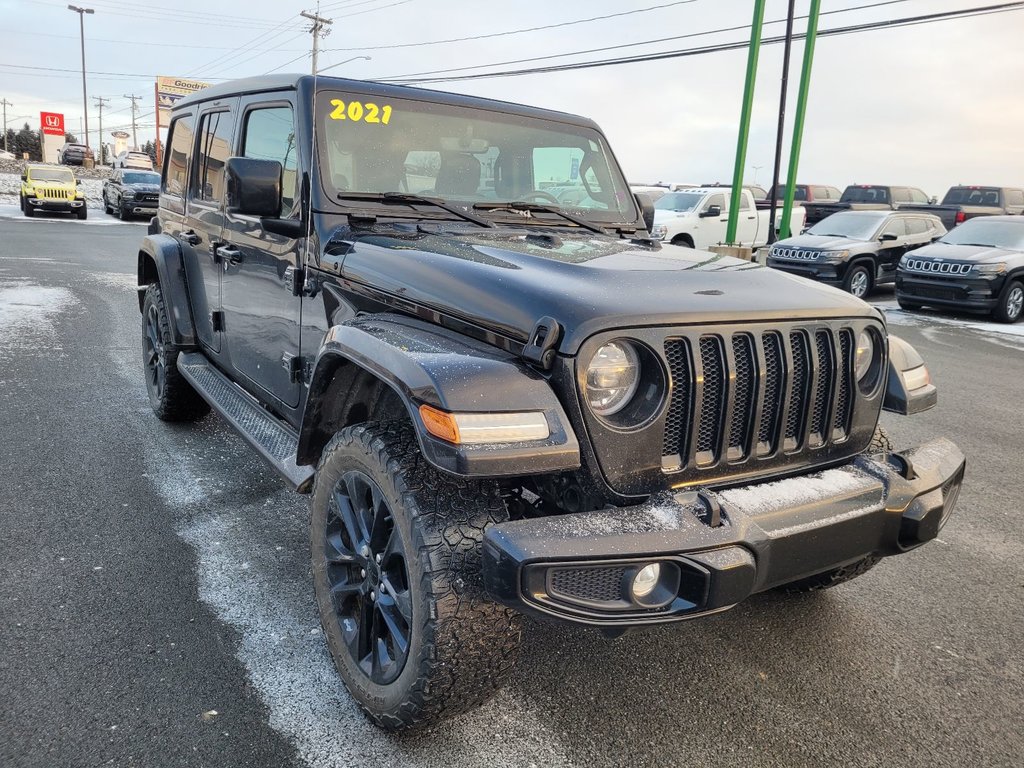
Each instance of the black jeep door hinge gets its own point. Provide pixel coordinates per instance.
(217, 320)
(295, 280)
(300, 369)
(540, 349)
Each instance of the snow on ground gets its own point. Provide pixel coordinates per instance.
(28, 313)
(9, 210)
(1011, 336)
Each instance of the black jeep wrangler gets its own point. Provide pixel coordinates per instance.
(501, 404)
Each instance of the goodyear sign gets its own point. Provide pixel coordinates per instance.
(170, 90)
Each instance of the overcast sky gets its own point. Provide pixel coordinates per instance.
(928, 106)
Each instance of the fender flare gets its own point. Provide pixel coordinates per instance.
(164, 252)
(426, 364)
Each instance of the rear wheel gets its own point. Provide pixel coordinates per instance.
(1011, 303)
(170, 394)
(396, 555)
(858, 280)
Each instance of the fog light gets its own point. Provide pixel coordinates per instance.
(646, 580)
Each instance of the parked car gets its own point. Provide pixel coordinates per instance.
(756, 191)
(866, 197)
(962, 203)
(131, 193)
(653, 192)
(698, 218)
(74, 154)
(50, 188)
(500, 406)
(137, 160)
(855, 250)
(810, 193)
(978, 267)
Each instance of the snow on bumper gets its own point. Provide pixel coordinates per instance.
(713, 549)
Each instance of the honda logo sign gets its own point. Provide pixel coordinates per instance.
(52, 123)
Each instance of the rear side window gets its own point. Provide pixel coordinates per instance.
(269, 134)
(212, 156)
(178, 154)
(916, 226)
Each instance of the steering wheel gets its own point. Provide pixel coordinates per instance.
(542, 195)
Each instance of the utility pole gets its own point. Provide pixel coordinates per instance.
(773, 198)
(5, 104)
(320, 28)
(135, 108)
(748, 104)
(100, 103)
(85, 97)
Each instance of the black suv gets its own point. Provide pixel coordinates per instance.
(501, 404)
(855, 250)
(131, 193)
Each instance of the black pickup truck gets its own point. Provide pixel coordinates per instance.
(965, 202)
(866, 197)
(501, 403)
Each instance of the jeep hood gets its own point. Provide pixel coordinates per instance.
(507, 279)
(978, 254)
(141, 187)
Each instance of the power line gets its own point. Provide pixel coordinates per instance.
(606, 48)
(518, 31)
(856, 28)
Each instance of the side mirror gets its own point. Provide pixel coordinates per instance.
(714, 210)
(24, 177)
(253, 187)
(646, 206)
(888, 237)
(933, 200)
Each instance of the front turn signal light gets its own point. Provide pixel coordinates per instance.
(484, 428)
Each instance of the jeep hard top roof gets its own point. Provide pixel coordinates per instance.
(267, 83)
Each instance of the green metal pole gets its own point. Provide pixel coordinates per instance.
(748, 103)
(798, 123)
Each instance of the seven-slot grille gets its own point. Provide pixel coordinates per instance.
(930, 266)
(54, 193)
(747, 395)
(799, 254)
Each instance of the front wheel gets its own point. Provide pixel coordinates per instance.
(1011, 303)
(858, 281)
(82, 213)
(26, 208)
(396, 555)
(170, 394)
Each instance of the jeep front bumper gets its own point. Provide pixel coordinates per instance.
(715, 548)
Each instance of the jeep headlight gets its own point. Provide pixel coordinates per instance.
(990, 269)
(659, 231)
(834, 257)
(612, 377)
(864, 355)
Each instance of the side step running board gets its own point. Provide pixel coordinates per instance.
(276, 441)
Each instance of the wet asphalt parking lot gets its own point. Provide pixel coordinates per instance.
(156, 606)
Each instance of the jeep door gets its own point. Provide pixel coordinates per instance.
(261, 313)
(205, 216)
(891, 250)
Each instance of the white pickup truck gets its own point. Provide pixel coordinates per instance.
(698, 218)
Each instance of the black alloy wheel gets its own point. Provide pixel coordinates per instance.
(170, 394)
(368, 577)
(153, 354)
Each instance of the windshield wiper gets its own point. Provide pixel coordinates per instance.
(977, 245)
(405, 198)
(523, 205)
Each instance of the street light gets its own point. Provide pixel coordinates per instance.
(85, 98)
(346, 61)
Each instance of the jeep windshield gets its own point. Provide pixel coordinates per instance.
(52, 174)
(466, 156)
(851, 225)
(141, 178)
(679, 201)
(995, 234)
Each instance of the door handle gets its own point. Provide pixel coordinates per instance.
(191, 237)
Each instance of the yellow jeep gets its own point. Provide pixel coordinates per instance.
(49, 188)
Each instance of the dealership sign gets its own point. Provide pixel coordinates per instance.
(170, 90)
(52, 123)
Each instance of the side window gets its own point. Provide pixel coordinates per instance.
(917, 196)
(269, 134)
(179, 152)
(718, 200)
(1014, 197)
(896, 227)
(917, 226)
(900, 194)
(211, 157)
(744, 203)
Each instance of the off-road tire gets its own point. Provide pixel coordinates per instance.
(26, 209)
(106, 205)
(462, 646)
(880, 443)
(176, 400)
(909, 306)
(82, 213)
(852, 272)
(1003, 313)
